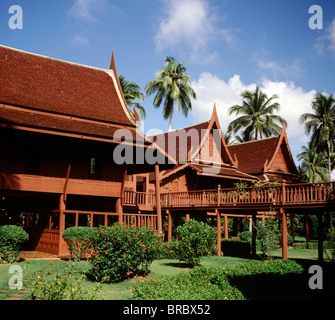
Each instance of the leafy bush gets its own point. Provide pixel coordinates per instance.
(61, 286)
(267, 237)
(289, 239)
(194, 240)
(11, 240)
(246, 236)
(78, 240)
(202, 283)
(168, 250)
(121, 252)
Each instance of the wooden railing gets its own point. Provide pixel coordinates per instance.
(138, 198)
(307, 193)
(140, 220)
(279, 194)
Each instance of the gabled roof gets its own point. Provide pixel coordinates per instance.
(176, 144)
(263, 156)
(45, 94)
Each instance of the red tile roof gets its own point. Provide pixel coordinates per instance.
(252, 155)
(55, 86)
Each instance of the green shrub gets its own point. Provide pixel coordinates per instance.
(289, 239)
(246, 236)
(121, 252)
(194, 240)
(216, 283)
(168, 250)
(202, 283)
(267, 237)
(62, 286)
(11, 241)
(78, 240)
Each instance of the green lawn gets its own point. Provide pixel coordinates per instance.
(123, 290)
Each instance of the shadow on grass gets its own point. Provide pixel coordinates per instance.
(180, 265)
(288, 286)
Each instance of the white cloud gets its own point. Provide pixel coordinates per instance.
(87, 9)
(293, 100)
(277, 69)
(327, 39)
(190, 25)
(81, 40)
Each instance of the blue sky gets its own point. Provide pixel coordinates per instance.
(227, 46)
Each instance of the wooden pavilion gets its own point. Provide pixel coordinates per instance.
(60, 124)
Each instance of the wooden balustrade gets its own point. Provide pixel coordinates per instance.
(306, 193)
(279, 194)
(134, 198)
(140, 220)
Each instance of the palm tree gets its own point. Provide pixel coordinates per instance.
(322, 125)
(172, 85)
(257, 115)
(313, 164)
(131, 92)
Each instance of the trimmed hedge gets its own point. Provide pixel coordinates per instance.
(217, 283)
(11, 240)
(201, 283)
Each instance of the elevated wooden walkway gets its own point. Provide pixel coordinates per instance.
(304, 196)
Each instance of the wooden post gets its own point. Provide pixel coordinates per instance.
(169, 225)
(158, 199)
(62, 243)
(219, 194)
(320, 240)
(284, 233)
(119, 211)
(307, 227)
(218, 237)
(225, 217)
(187, 217)
(254, 235)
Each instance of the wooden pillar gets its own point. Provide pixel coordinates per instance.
(169, 225)
(119, 208)
(187, 217)
(158, 199)
(218, 237)
(307, 227)
(284, 233)
(62, 248)
(225, 217)
(320, 240)
(254, 235)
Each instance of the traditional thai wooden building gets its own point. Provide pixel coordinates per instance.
(267, 159)
(202, 158)
(60, 124)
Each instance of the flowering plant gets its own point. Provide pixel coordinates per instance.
(121, 252)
